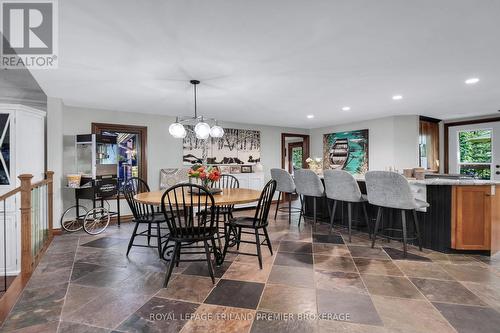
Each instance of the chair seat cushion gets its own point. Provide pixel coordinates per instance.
(242, 221)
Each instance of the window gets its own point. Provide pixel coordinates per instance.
(474, 153)
(131, 149)
(4, 149)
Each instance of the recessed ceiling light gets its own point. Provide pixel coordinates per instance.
(310, 116)
(472, 80)
(397, 97)
(346, 108)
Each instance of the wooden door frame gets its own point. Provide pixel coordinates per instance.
(306, 143)
(460, 123)
(292, 145)
(142, 131)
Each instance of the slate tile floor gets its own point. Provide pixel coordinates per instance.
(87, 284)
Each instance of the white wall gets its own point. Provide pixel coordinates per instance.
(54, 151)
(393, 141)
(406, 140)
(163, 151)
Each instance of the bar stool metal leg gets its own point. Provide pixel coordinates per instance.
(289, 208)
(367, 220)
(314, 213)
(417, 229)
(403, 222)
(277, 205)
(349, 216)
(332, 217)
(301, 208)
(377, 222)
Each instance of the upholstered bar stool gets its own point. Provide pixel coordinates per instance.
(341, 186)
(388, 189)
(285, 184)
(308, 184)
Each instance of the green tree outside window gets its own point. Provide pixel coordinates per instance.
(475, 153)
(297, 158)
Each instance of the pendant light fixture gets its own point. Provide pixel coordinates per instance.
(202, 129)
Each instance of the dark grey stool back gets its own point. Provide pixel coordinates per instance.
(308, 183)
(340, 185)
(284, 181)
(391, 190)
(284, 184)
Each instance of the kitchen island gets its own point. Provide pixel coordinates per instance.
(464, 215)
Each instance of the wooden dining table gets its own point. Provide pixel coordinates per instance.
(228, 197)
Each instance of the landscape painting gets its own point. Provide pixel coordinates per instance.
(346, 151)
(237, 146)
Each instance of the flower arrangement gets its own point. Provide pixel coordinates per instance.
(315, 164)
(206, 174)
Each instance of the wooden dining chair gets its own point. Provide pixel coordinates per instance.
(143, 215)
(258, 222)
(225, 182)
(189, 210)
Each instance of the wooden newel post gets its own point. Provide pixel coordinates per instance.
(26, 254)
(50, 201)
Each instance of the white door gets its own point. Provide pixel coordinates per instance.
(475, 150)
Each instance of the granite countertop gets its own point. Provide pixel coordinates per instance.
(444, 181)
(441, 181)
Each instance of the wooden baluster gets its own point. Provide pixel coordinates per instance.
(50, 202)
(26, 254)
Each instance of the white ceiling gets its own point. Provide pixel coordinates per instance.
(274, 62)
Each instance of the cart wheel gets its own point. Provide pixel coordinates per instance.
(96, 220)
(70, 222)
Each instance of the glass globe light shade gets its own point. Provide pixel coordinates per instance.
(202, 130)
(177, 130)
(216, 132)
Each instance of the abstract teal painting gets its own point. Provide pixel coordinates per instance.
(346, 151)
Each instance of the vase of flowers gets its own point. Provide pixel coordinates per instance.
(315, 164)
(207, 175)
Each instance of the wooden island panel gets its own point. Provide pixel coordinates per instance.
(495, 221)
(473, 208)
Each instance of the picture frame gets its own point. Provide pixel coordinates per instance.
(238, 146)
(224, 169)
(246, 169)
(235, 169)
(346, 151)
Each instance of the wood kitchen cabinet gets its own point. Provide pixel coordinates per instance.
(475, 217)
